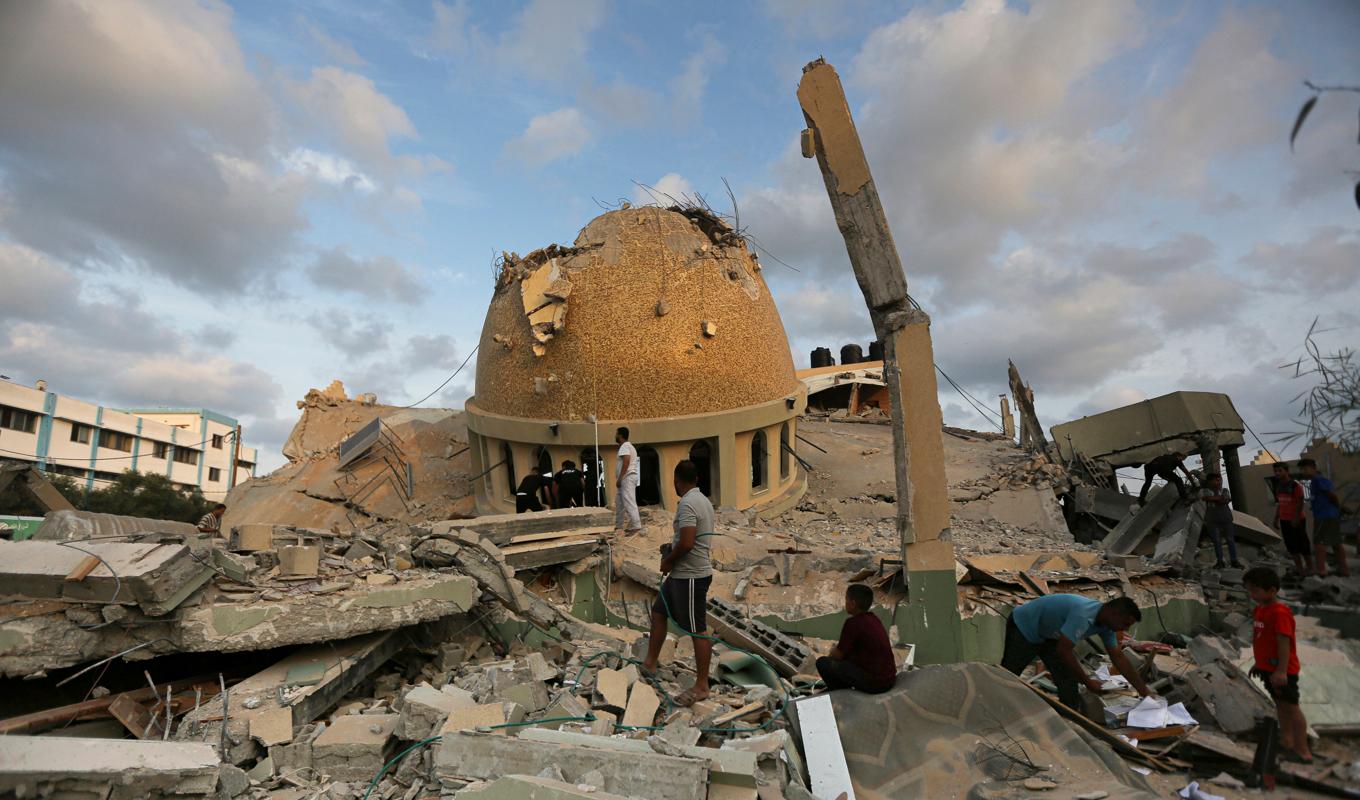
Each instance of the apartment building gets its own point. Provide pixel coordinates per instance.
(66, 436)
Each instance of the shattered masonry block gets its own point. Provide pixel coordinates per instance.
(532, 695)
(519, 787)
(118, 769)
(360, 549)
(356, 747)
(539, 668)
(450, 656)
(487, 715)
(299, 560)
(425, 707)
(565, 704)
(252, 537)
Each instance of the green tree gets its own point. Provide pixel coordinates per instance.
(133, 494)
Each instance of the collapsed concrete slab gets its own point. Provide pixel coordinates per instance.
(1139, 522)
(504, 529)
(114, 769)
(156, 577)
(525, 787)
(71, 525)
(625, 771)
(355, 747)
(327, 612)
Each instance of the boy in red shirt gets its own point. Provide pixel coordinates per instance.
(1277, 660)
(863, 658)
(1290, 520)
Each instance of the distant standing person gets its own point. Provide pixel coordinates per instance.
(1218, 519)
(627, 472)
(1290, 520)
(688, 568)
(532, 492)
(1165, 467)
(1326, 519)
(211, 522)
(570, 486)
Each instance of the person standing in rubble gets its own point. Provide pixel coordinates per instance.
(211, 522)
(1165, 467)
(1326, 519)
(1290, 520)
(688, 567)
(627, 472)
(1218, 519)
(570, 486)
(1050, 628)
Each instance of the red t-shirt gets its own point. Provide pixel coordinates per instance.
(1289, 501)
(1273, 620)
(864, 643)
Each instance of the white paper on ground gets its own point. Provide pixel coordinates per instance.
(1116, 712)
(1141, 770)
(1193, 792)
(1153, 712)
(1110, 682)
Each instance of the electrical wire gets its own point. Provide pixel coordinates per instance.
(446, 380)
(117, 585)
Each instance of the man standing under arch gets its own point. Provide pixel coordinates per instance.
(626, 475)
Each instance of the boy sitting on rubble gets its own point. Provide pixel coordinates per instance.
(1050, 627)
(1277, 659)
(863, 658)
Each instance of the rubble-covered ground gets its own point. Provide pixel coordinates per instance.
(423, 654)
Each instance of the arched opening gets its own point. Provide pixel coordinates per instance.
(785, 449)
(591, 472)
(701, 453)
(649, 479)
(760, 467)
(508, 459)
(543, 460)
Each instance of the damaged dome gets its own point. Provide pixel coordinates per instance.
(651, 313)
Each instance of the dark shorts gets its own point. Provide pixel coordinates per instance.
(527, 502)
(685, 601)
(1327, 532)
(1288, 694)
(1295, 533)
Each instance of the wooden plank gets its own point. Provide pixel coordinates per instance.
(40, 721)
(1034, 582)
(736, 714)
(1099, 731)
(83, 569)
(539, 537)
(32, 608)
(143, 722)
(1148, 734)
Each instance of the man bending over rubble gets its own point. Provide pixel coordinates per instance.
(683, 598)
(1050, 627)
(1165, 467)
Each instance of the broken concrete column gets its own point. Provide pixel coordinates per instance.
(355, 747)
(156, 577)
(1232, 468)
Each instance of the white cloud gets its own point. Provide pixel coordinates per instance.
(667, 190)
(687, 89)
(1327, 262)
(355, 335)
(362, 120)
(379, 278)
(339, 52)
(547, 41)
(549, 137)
(329, 169)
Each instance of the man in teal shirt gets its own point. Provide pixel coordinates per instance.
(1050, 627)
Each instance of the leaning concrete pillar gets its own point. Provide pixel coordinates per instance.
(1208, 455)
(1233, 467)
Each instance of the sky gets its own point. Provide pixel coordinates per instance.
(224, 205)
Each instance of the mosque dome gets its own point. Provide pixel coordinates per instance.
(652, 313)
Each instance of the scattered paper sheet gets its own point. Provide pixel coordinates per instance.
(1193, 792)
(1153, 712)
(1110, 682)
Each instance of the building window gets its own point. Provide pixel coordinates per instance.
(80, 433)
(784, 450)
(16, 419)
(114, 440)
(214, 474)
(245, 465)
(186, 456)
(160, 449)
(217, 441)
(760, 467)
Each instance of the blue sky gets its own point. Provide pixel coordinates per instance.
(225, 205)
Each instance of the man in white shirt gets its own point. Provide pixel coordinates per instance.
(626, 473)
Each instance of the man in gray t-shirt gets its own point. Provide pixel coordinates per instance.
(683, 598)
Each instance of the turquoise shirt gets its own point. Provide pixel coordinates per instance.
(1055, 615)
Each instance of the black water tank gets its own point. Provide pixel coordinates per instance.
(821, 357)
(876, 351)
(851, 354)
